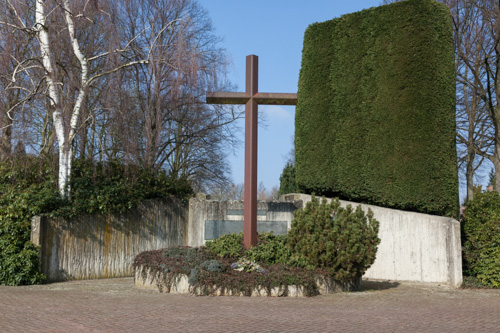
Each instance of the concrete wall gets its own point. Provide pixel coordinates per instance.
(98, 246)
(269, 213)
(414, 247)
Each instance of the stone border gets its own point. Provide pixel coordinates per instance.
(180, 285)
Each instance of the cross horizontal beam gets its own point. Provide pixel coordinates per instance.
(243, 98)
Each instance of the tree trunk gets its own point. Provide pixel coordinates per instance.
(496, 164)
(6, 138)
(65, 156)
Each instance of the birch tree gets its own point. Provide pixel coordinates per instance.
(66, 129)
(71, 67)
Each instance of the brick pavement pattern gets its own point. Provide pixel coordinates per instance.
(116, 305)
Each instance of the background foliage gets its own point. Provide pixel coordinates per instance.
(28, 187)
(481, 238)
(287, 180)
(375, 119)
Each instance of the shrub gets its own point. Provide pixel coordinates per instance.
(114, 187)
(287, 180)
(481, 230)
(27, 188)
(226, 246)
(271, 249)
(208, 272)
(340, 240)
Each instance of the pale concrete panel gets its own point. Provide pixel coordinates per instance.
(414, 247)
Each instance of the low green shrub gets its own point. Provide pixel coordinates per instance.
(481, 231)
(271, 249)
(340, 240)
(208, 273)
(226, 246)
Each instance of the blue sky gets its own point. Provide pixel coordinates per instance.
(274, 31)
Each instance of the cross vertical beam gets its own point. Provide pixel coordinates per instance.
(250, 190)
(252, 98)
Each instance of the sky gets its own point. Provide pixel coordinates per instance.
(274, 31)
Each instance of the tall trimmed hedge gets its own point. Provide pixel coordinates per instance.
(375, 119)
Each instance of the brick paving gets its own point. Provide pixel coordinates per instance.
(116, 305)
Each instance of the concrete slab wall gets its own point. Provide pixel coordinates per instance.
(99, 246)
(414, 247)
(202, 211)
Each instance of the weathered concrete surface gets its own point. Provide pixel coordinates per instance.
(115, 305)
(201, 211)
(98, 246)
(414, 247)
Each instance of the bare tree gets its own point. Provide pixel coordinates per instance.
(477, 37)
(76, 74)
(226, 191)
(172, 127)
(474, 135)
(55, 23)
(15, 47)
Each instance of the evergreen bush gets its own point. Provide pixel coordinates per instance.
(271, 249)
(287, 180)
(27, 188)
(341, 241)
(481, 231)
(226, 246)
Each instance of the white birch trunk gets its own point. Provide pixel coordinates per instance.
(55, 100)
(64, 137)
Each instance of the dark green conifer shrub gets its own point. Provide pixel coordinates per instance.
(481, 231)
(340, 240)
(287, 180)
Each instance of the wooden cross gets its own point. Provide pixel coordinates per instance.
(251, 98)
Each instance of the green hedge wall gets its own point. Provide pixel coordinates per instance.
(375, 119)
